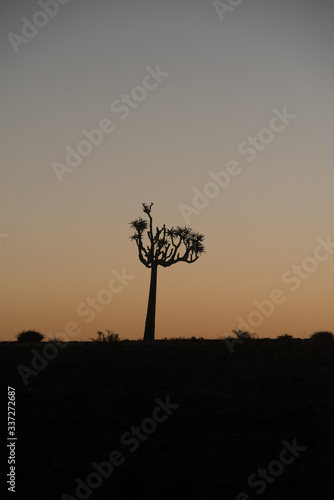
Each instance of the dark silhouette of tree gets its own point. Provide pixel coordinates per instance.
(165, 248)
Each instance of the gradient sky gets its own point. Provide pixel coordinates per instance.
(225, 78)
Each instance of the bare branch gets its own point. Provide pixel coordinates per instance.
(166, 246)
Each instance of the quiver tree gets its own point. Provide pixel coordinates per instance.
(163, 248)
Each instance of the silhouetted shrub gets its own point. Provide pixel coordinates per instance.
(110, 336)
(322, 338)
(56, 340)
(29, 336)
(175, 339)
(243, 335)
(285, 337)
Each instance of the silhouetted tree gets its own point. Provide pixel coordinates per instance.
(165, 248)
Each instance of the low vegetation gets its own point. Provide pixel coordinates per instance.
(30, 336)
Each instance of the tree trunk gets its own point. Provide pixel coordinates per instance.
(150, 316)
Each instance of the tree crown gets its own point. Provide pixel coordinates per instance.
(166, 246)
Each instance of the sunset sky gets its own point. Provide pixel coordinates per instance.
(182, 90)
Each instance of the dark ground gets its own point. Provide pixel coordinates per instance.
(235, 411)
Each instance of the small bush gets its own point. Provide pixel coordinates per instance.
(30, 336)
(286, 336)
(56, 340)
(322, 337)
(243, 335)
(110, 336)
